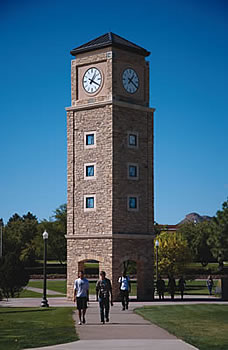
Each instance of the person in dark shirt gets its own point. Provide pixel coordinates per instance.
(181, 285)
(210, 284)
(104, 293)
(160, 288)
(172, 286)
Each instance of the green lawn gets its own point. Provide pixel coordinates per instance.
(57, 286)
(29, 294)
(204, 326)
(35, 327)
(194, 287)
(198, 287)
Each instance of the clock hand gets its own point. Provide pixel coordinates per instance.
(134, 84)
(94, 75)
(93, 81)
(130, 79)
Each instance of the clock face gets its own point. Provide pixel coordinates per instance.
(92, 80)
(130, 80)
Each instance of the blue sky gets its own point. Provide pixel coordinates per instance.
(188, 83)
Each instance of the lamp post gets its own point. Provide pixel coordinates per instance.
(157, 245)
(44, 302)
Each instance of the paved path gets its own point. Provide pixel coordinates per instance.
(123, 344)
(126, 330)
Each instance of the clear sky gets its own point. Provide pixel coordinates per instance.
(189, 54)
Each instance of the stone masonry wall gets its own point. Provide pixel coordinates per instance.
(128, 120)
(141, 251)
(111, 254)
(78, 250)
(98, 221)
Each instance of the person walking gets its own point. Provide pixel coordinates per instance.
(160, 288)
(172, 286)
(125, 289)
(181, 285)
(210, 284)
(81, 296)
(103, 294)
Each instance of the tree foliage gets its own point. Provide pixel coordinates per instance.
(208, 240)
(23, 236)
(56, 228)
(173, 253)
(218, 238)
(19, 234)
(13, 276)
(197, 236)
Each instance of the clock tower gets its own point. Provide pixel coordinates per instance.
(110, 211)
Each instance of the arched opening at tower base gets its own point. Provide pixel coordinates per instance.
(137, 249)
(141, 278)
(130, 269)
(90, 267)
(111, 255)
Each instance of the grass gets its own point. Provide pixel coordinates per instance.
(22, 328)
(29, 294)
(57, 286)
(91, 265)
(198, 287)
(204, 326)
(194, 287)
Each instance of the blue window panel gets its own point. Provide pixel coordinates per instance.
(132, 202)
(90, 139)
(90, 202)
(132, 171)
(132, 140)
(90, 170)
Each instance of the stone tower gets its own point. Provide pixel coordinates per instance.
(110, 162)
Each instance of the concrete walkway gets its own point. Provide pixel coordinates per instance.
(125, 331)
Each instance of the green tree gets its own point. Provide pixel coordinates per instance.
(13, 276)
(197, 237)
(218, 238)
(173, 253)
(19, 235)
(56, 228)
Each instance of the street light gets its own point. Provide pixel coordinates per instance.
(44, 302)
(157, 245)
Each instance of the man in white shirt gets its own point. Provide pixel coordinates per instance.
(81, 296)
(125, 289)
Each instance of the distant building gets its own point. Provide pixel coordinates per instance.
(189, 218)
